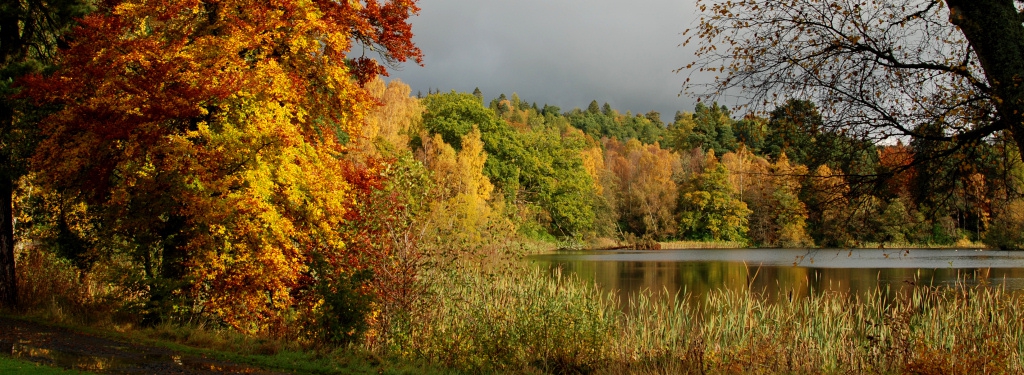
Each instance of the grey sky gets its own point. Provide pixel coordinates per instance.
(560, 52)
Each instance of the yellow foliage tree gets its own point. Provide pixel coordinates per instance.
(778, 216)
(460, 209)
(396, 115)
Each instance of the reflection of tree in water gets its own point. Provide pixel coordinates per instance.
(697, 279)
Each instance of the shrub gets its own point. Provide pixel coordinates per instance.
(341, 318)
(1007, 229)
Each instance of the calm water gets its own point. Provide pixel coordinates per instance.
(778, 272)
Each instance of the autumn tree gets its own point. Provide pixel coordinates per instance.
(828, 207)
(392, 123)
(209, 136)
(897, 158)
(647, 194)
(879, 69)
(747, 171)
(709, 208)
(458, 208)
(30, 34)
(778, 216)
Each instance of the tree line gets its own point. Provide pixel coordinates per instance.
(782, 179)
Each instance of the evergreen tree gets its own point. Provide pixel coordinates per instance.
(655, 118)
(709, 128)
(793, 127)
(752, 132)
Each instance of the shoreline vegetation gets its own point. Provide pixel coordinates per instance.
(512, 317)
(610, 244)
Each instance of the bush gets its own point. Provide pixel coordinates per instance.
(54, 286)
(341, 318)
(1007, 229)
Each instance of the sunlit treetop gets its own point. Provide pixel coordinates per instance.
(143, 69)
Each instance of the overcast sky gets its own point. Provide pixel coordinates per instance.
(561, 52)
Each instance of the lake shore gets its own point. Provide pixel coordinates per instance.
(610, 244)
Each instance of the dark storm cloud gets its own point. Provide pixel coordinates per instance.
(560, 52)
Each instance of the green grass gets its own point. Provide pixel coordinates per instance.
(280, 354)
(15, 366)
(232, 346)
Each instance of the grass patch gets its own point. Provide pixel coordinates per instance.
(267, 353)
(275, 354)
(15, 366)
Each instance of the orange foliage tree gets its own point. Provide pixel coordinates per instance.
(647, 193)
(771, 191)
(207, 135)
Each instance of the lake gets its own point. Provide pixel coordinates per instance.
(798, 272)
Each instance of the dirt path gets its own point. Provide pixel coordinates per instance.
(68, 349)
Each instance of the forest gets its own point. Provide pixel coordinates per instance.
(778, 180)
(230, 169)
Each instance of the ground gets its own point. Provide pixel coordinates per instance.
(59, 347)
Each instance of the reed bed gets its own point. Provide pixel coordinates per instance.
(678, 245)
(524, 320)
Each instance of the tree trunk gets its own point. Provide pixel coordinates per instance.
(8, 282)
(171, 271)
(994, 31)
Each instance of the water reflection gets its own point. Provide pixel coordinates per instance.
(776, 272)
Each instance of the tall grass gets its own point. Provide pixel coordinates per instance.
(512, 321)
(525, 320)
